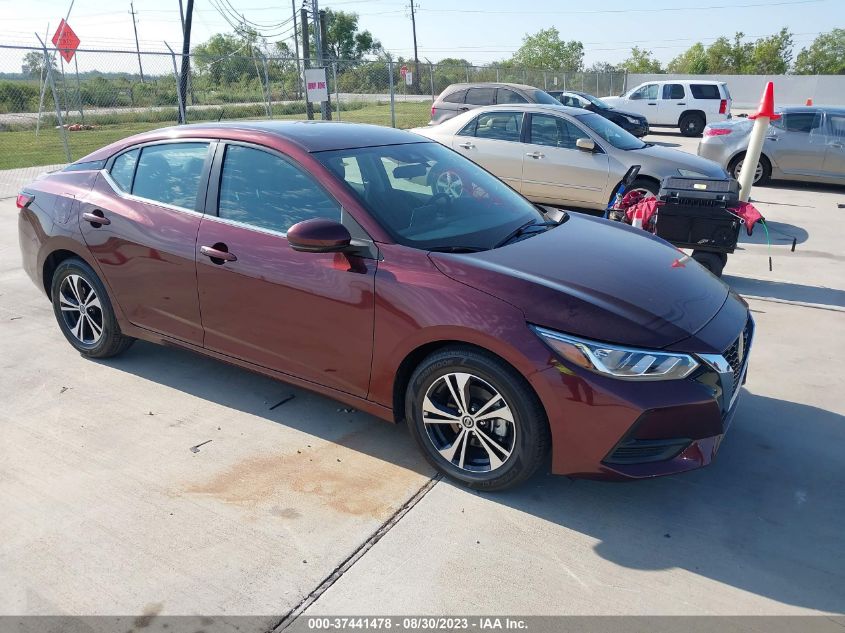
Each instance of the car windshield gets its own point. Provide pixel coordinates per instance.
(610, 132)
(426, 196)
(541, 96)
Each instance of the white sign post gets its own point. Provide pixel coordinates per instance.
(316, 85)
(409, 78)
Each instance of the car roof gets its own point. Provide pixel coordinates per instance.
(487, 84)
(529, 107)
(828, 109)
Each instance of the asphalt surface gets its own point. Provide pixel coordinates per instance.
(302, 505)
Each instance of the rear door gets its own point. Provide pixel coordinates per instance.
(799, 147)
(494, 141)
(673, 101)
(150, 199)
(834, 157)
(555, 171)
(309, 315)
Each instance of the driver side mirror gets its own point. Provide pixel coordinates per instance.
(586, 144)
(319, 236)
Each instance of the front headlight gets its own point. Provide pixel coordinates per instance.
(616, 361)
(689, 173)
(632, 120)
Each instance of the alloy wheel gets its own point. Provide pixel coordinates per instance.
(81, 309)
(758, 173)
(469, 422)
(450, 183)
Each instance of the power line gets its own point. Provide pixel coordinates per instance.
(624, 11)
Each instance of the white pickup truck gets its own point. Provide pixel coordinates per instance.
(685, 104)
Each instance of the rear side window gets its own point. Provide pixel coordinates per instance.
(123, 169)
(170, 173)
(804, 122)
(265, 191)
(673, 91)
(509, 96)
(705, 91)
(500, 126)
(455, 97)
(481, 96)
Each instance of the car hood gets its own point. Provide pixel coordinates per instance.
(596, 279)
(633, 115)
(670, 160)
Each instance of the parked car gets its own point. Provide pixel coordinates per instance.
(806, 143)
(631, 122)
(685, 104)
(459, 98)
(319, 254)
(563, 156)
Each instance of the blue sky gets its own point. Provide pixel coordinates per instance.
(478, 30)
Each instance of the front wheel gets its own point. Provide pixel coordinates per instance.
(476, 419)
(84, 312)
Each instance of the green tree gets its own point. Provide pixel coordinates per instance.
(33, 63)
(545, 50)
(730, 57)
(225, 58)
(345, 41)
(692, 61)
(641, 61)
(772, 55)
(825, 56)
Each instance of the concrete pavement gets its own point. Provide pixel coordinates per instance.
(306, 505)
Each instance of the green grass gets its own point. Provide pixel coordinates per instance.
(21, 148)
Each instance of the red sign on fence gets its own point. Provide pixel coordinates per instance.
(403, 71)
(65, 40)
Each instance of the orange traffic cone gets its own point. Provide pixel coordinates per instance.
(809, 102)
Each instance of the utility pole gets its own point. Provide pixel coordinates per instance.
(133, 13)
(327, 106)
(306, 54)
(416, 58)
(318, 46)
(295, 40)
(186, 59)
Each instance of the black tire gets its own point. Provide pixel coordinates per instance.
(692, 124)
(714, 262)
(527, 438)
(645, 184)
(76, 274)
(765, 172)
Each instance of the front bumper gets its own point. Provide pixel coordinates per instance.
(604, 428)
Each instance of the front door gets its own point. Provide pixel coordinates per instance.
(148, 199)
(555, 171)
(309, 315)
(643, 101)
(493, 140)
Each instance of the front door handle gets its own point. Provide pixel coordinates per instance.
(466, 145)
(682, 103)
(96, 218)
(536, 155)
(652, 104)
(463, 108)
(216, 253)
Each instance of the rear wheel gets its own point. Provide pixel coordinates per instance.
(84, 312)
(476, 419)
(714, 262)
(692, 124)
(761, 175)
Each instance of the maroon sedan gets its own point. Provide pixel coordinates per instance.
(386, 271)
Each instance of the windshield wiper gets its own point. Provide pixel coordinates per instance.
(522, 230)
(456, 249)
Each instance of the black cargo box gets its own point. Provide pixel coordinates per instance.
(710, 192)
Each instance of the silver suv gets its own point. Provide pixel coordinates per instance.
(459, 98)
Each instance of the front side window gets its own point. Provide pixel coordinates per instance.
(427, 196)
(509, 96)
(123, 169)
(481, 96)
(837, 126)
(610, 132)
(553, 131)
(499, 126)
(649, 91)
(263, 190)
(673, 91)
(170, 173)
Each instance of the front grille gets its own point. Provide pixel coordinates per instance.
(737, 354)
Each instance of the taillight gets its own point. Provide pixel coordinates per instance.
(432, 110)
(723, 106)
(24, 200)
(716, 131)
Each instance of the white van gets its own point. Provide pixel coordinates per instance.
(682, 103)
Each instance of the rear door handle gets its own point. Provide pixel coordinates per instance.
(466, 145)
(96, 218)
(216, 253)
(463, 108)
(536, 155)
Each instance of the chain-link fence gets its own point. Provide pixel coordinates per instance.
(52, 111)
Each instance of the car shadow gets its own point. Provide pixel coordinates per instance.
(763, 518)
(786, 291)
(779, 233)
(759, 195)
